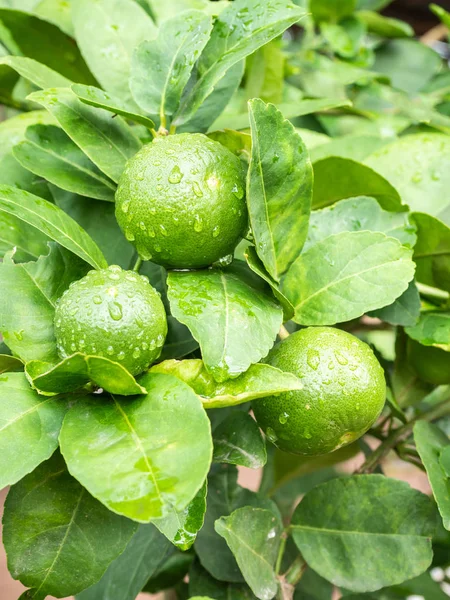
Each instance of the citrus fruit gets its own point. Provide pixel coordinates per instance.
(112, 313)
(180, 201)
(344, 392)
(430, 364)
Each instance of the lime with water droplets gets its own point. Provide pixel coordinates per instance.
(112, 313)
(181, 201)
(343, 393)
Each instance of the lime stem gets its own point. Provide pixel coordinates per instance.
(154, 133)
(432, 292)
(283, 333)
(172, 130)
(281, 549)
(138, 264)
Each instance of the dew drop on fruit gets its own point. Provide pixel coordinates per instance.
(159, 187)
(160, 341)
(313, 359)
(121, 355)
(142, 226)
(157, 248)
(271, 435)
(151, 231)
(115, 311)
(198, 223)
(197, 190)
(144, 346)
(175, 175)
(331, 365)
(216, 231)
(342, 360)
(283, 418)
(136, 352)
(163, 230)
(129, 235)
(81, 343)
(110, 350)
(73, 347)
(125, 206)
(97, 299)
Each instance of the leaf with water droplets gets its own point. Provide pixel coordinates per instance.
(77, 370)
(279, 188)
(168, 62)
(253, 535)
(153, 442)
(217, 305)
(346, 275)
(238, 441)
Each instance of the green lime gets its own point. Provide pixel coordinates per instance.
(431, 364)
(181, 201)
(112, 313)
(343, 395)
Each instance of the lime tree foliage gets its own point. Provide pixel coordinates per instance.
(225, 242)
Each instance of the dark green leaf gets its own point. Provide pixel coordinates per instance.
(201, 583)
(238, 441)
(168, 62)
(331, 10)
(405, 311)
(365, 270)
(171, 573)
(279, 188)
(28, 300)
(108, 142)
(216, 305)
(313, 587)
(107, 32)
(10, 363)
(430, 443)
(154, 441)
(384, 541)
(258, 381)
(29, 429)
(51, 154)
(385, 27)
(59, 539)
(432, 329)
(179, 341)
(79, 369)
(238, 142)
(408, 389)
(432, 251)
(346, 37)
(52, 221)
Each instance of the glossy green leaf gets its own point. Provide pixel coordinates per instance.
(171, 573)
(154, 441)
(359, 214)
(355, 147)
(345, 39)
(51, 154)
(28, 299)
(52, 524)
(29, 429)
(34, 71)
(258, 381)
(384, 26)
(201, 583)
(52, 221)
(168, 61)
(430, 443)
(407, 387)
(238, 142)
(107, 32)
(351, 179)
(179, 341)
(79, 369)
(432, 329)
(126, 576)
(253, 535)
(215, 305)
(98, 98)
(181, 527)
(365, 270)
(265, 73)
(28, 243)
(384, 542)
(238, 441)
(27, 35)
(57, 12)
(10, 363)
(331, 10)
(404, 311)
(108, 142)
(432, 251)
(416, 167)
(243, 27)
(279, 188)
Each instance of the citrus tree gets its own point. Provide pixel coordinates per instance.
(225, 238)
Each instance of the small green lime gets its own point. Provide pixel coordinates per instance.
(343, 395)
(431, 364)
(112, 313)
(181, 201)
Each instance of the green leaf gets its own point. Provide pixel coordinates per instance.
(126, 576)
(57, 12)
(384, 542)
(313, 587)
(107, 32)
(51, 154)
(100, 99)
(154, 441)
(238, 441)
(181, 527)
(430, 443)
(346, 37)
(171, 574)
(168, 61)
(365, 270)
(28, 243)
(29, 429)
(265, 73)
(279, 188)
(52, 221)
(10, 363)
(202, 584)
(179, 341)
(383, 26)
(28, 300)
(238, 142)
(404, 311)
(242, 28)
(359, 214)
(331, 10)
(171, 8)
(35, 72)
(79, 369)
(351, 179)
(27, 35)
(407, 387)
(258, 381)
(355, 147)
(432, 251)
(415, 165)
(253, 535)
(432, 329)
(52, 524)
(108, 142)
(216, 305)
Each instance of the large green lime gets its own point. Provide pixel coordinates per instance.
(431, 364)
(112, 313)
(181, 201)
(343, 395)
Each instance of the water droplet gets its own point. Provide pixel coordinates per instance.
(136, 352)
(19, 335)
(159, 187)
(216, 231)
(125, 206)
(342, 360)
(353, 366)
(160, 341)
(110, 350)
(152, 345)
(163, 230)
(144, 346)
(331, 365)
(283, 418)
(129, 235)
(175, 175)
(271, 435)
(73, 347)
(197, 189)
(121, 355)
(151, 231)
(313, 359)
(97, 300)
(142, 226)
(198, 223)
(58, 323)
(73, 311)
(131, 277)
(417, 177)
(152, 209)
(341, 382)
(275, 158)
(307, 434)
(115, 311)
(157, 248)
(238, 191)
